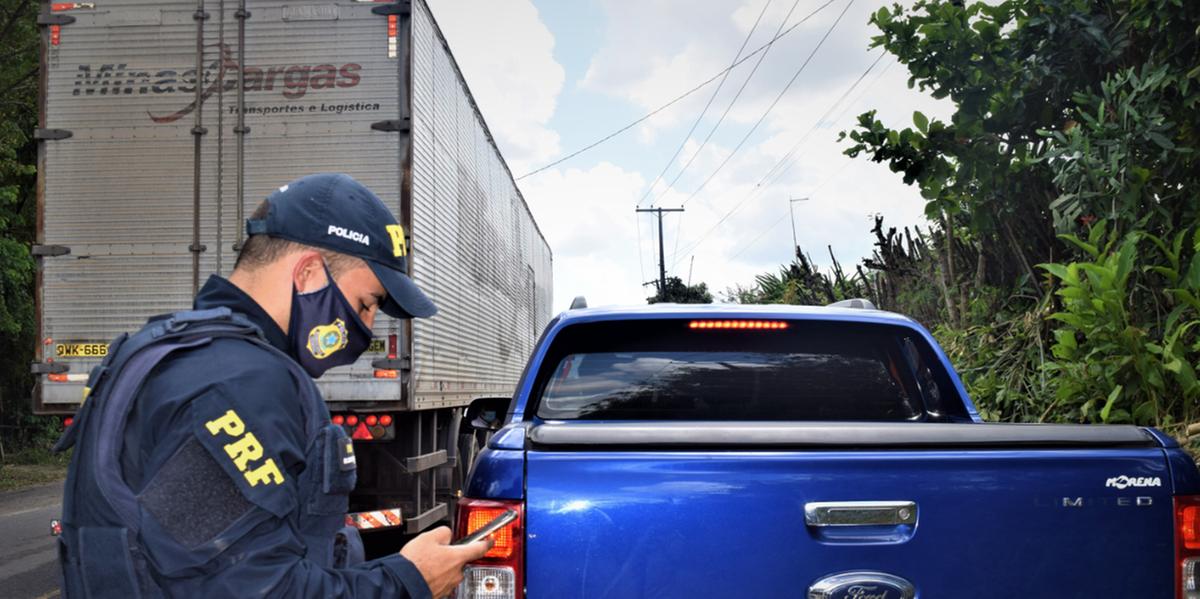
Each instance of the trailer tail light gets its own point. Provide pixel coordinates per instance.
(393, 30)
(361, 433)
(368, 427)
(744, 325)
(1187, 547)
(56, 30)
(501, 572)
(66, 377)
(392, 352)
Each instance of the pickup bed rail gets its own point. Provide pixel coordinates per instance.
(842, 435)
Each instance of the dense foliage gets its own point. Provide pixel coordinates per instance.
(1062, 269)
(18, 153)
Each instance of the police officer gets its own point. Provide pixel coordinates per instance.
(205, 462)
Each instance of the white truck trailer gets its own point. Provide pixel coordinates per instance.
(164, 123)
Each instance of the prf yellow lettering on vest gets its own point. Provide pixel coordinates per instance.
(245, 449)
(399, 245)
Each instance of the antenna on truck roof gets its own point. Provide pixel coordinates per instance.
(578, 303)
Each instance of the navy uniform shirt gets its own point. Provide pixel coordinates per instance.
(215, 448)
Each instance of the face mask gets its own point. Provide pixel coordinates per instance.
(324, 331)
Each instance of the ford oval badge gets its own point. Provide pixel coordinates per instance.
(861, 585)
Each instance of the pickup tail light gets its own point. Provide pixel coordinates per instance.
(1187, 547)
(501, 572)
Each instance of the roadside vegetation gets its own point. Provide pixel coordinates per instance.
(32, 466)
(19, 429)
(1061, 267)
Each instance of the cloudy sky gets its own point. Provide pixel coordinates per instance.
(553, 76)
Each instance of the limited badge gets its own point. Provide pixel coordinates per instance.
(347, 455)
(326, 339)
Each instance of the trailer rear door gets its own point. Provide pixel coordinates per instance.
(131, 141)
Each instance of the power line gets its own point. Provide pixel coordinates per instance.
(736, 96)
(835, 173)
(850, 106)
(668, 104)
(773, 171)
(756, 239)
(840, 169)
(703, 112)
(773, 103)
(824, 118)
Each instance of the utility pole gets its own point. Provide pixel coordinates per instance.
(792, 202)
(662, 265)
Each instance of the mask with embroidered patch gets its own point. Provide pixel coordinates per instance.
(324, 331)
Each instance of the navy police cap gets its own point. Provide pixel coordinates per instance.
(335, 212)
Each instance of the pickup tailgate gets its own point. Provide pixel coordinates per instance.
(710, 509)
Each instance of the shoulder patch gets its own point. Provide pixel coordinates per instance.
(192, 498)
(244, 450)
(248, 456)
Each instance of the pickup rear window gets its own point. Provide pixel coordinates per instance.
(808, 371)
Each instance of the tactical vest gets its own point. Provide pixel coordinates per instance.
(102, 545)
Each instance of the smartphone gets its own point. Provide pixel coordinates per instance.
(496, 524)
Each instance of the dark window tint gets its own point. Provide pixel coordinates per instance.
(664, 370)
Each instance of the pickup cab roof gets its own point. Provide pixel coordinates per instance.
(735, 311)
(526, 390)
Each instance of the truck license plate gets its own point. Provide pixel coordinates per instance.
(81, 350)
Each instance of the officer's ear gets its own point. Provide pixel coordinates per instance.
(308, 274)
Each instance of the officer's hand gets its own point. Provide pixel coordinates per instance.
(440, 562)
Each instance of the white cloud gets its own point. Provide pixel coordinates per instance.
(648, 69)
(507, 57)
(592, 232)
(651, 52)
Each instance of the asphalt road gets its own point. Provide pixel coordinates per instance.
(28, 559)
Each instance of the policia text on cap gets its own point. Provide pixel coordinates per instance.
(205, 462)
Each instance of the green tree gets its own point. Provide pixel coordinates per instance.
(1065, 111)
(1072, 147)
(19, 38)
(679, 293)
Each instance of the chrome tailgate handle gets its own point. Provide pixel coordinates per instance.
(860, 513)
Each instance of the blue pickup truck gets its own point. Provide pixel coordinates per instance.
(806, 452)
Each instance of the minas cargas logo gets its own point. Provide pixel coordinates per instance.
(1124, 482)
(292, 81)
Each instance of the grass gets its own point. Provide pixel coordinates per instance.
(31, 467)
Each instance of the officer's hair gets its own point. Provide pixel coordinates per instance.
(260, 250)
